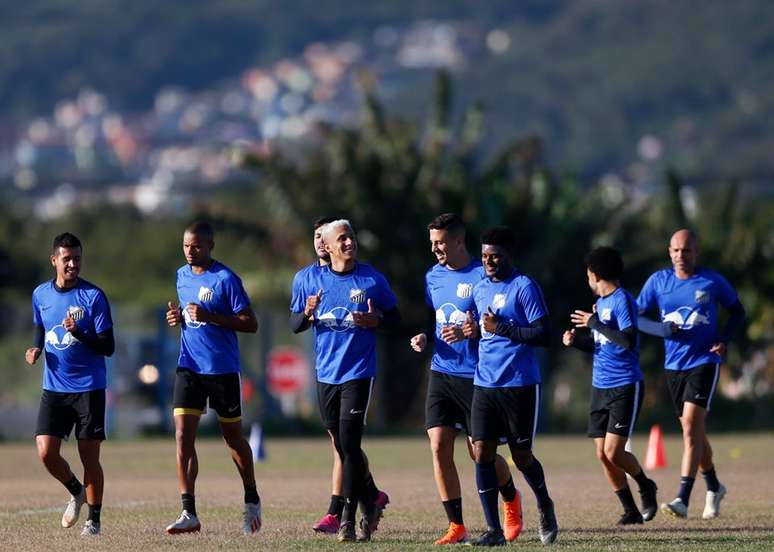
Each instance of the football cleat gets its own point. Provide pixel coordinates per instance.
(548, 529)
(513, 520)
(186, 523)
(492, 537)
(676, 508)
(329, 523)
(73, 509)
(712, 503)
(630, 518)
(455, 534)
(90, 529)
(346, 532)
(251, 523)
(649, 500)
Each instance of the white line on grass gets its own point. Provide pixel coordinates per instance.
(35, 512)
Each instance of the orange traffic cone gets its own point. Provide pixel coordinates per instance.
(655, 457)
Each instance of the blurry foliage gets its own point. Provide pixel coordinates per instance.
(390, 177)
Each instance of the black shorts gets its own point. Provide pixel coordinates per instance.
(696, 386)
(506, 411)
(448, 401)
(344, 401)
(615, 410)
(193, 390)
(59, 412)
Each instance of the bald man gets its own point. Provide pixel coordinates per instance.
(687, 298)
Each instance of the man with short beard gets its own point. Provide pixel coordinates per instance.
(74, 331)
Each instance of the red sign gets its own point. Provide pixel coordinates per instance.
(287, 370)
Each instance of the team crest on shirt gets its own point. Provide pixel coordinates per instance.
(76, 313)
(498, 301)
(205, 294)
(357, 295)
(464, 290)
(702, 297)
(606, 315)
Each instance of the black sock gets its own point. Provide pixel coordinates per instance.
(627, 500)
(486, 479)
(94, 511)
(370, 490)
(74, 486)
(711, 479)
(336, 507)
(536, 479)
(641, 479)
(189, 503)
(251, 494)
(686, 486)
(453, 509)
(508, 491)
(350, 511)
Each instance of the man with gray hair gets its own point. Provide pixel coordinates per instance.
(345, 305)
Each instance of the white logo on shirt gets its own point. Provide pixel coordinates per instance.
(686, 318)
(337, 319)
(454, 316)
(605, 315)
(498, 301)
(190, 322)
(59, 338)
(357, 295)
(464, 290)
(701, 297)
(205, 294)
(76, 313)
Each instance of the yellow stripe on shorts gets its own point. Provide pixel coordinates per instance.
(229, 420)
(183, 411)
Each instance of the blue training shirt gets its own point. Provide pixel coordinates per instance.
(502, 362)
(344, 351)
(692, 304)
(614, 365)
(450, 294)
(70, 366)
(207, 348)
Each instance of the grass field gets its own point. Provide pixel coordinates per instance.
(141, 498)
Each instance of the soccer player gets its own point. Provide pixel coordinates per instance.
(687, 298)
(330, 522)
(506, 396)
(345, 305)
(74, 331)
(449, 291)
(213, 307)
(616, 383)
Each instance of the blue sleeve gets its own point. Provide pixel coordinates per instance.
(647, 297)
(297, 295)
(531, 299)
(726, 293)
(428, 297)
(100, 311)
(625, 313)
(235, 294)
